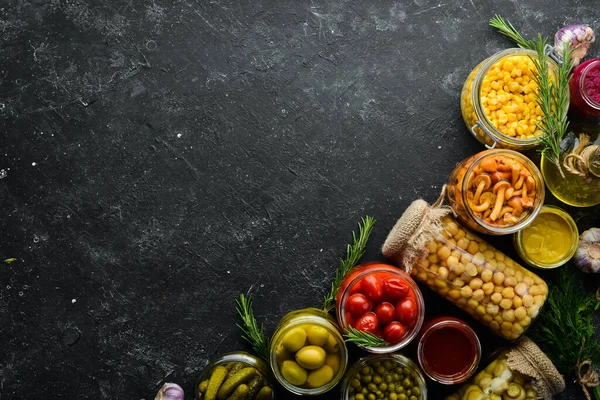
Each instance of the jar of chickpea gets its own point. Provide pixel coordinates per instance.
(498, 100)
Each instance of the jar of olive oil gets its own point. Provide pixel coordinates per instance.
(572, 188)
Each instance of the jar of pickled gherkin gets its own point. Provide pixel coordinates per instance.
(237, 372)
(496, 191)
(499, 102)
(436, 250)
(385, 376)
(308, 355)
(521, 373)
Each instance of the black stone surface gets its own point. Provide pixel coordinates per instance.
(160, 157)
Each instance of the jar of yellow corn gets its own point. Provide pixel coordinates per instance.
(499, 100)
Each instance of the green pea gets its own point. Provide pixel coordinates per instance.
(388, 378)
(372, 387)
(412, 398)
(365, 371)
(416, 391)
(381, 370)
(371, 396)
(366, 378)
(402, 397)
(359, 396)
(406, 383)
(364, 391)
(377, 379)
(388, 364)
(391, 387)
(399, 389)
(355, 383)
(392, 396)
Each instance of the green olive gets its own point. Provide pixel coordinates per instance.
(332, 345)
(294, 339)
(281, 354)
(317, 335)
(334, 361)
(293, 373)
(320, 377)
(310, 357)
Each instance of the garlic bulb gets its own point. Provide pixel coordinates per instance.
(587, 257)
(170, 391)
(579, 37)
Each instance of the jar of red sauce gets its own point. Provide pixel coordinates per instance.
(383, 300)
(585, 89)
(448, 350)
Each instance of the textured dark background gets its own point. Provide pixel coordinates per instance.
(159, 158)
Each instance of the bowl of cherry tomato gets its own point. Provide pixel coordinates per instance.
(383, 300)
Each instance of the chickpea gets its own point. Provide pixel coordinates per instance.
(456, 253)
(498, 278)
(497, 298)
(510, 280)
(521, 289)
(508, 293)
(516, 330)
(466, 292)
(454, 294)
(532, 312)
(506, 325)
(492, 309)
(480, 309)
(487, 318)
(517, 302)
(475, 284)
(478, 258)
(452, 262)
(465, 258)
(443, 253)
(463, 243)
(525, 322)
(478, 295)
(538, 300)
(443, 272)
(488, 288)
(422, 275)
(527, 300)
(431, 247)
(486, 275)
(508, 315)
(534, 290)
(459, 269)
(473, 248)
(494, 325)
(460, 283)
(472, 303)
(520, 313)
(506, 303)
(433, 258)
(433, 268)
(423, 263)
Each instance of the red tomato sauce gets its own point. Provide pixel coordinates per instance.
(448, 351)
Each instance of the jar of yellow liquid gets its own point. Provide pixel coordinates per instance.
(550, 241)
(572, 188)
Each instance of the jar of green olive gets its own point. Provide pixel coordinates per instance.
(385, 376)
(466, 270)
(524, 372)
(308, 355)
(237, 373)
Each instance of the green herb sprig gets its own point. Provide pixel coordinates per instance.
(252, 333)
(553, 99)
(354, 253)
(364, 339)
(507, 29)
(565, 327)
(552, 95)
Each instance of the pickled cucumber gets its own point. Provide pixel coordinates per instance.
(241, 377)
(265, 393)
(216, 379)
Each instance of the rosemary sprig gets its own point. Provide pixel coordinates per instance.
(507, 29)
(364, 339)
(553, 99)
(565, 327)
(552, 94)
(251, 332)
(354, 253)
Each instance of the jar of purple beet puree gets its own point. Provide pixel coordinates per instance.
(585, 89)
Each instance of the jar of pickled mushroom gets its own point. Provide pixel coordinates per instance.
(521, 373)
(496, 192)
(384, 376)
(308, 355)
(234, 375)
(436, 250)
(383, 300)
(498, 100)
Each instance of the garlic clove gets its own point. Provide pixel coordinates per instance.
(170, 391)
(579, 37)
(587, 256)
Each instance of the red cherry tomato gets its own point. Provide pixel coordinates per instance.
(358, 304)
(355, 288)
(395, 288)
(350, 319)
(406, 311)
(371, 287)
(385, 313)
(394, 332)
(367, 322)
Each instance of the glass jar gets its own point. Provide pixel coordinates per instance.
(388, 373)
(390, 298)
(308, 355)
(550, 241)
(481, 280)
(498, 100)
(497, 381)
(569, 188)
(448, 351)
(585, 89)
(496, 192)
(261, 382)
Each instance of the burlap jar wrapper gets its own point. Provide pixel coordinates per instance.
(530, 361)
(419, 224)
